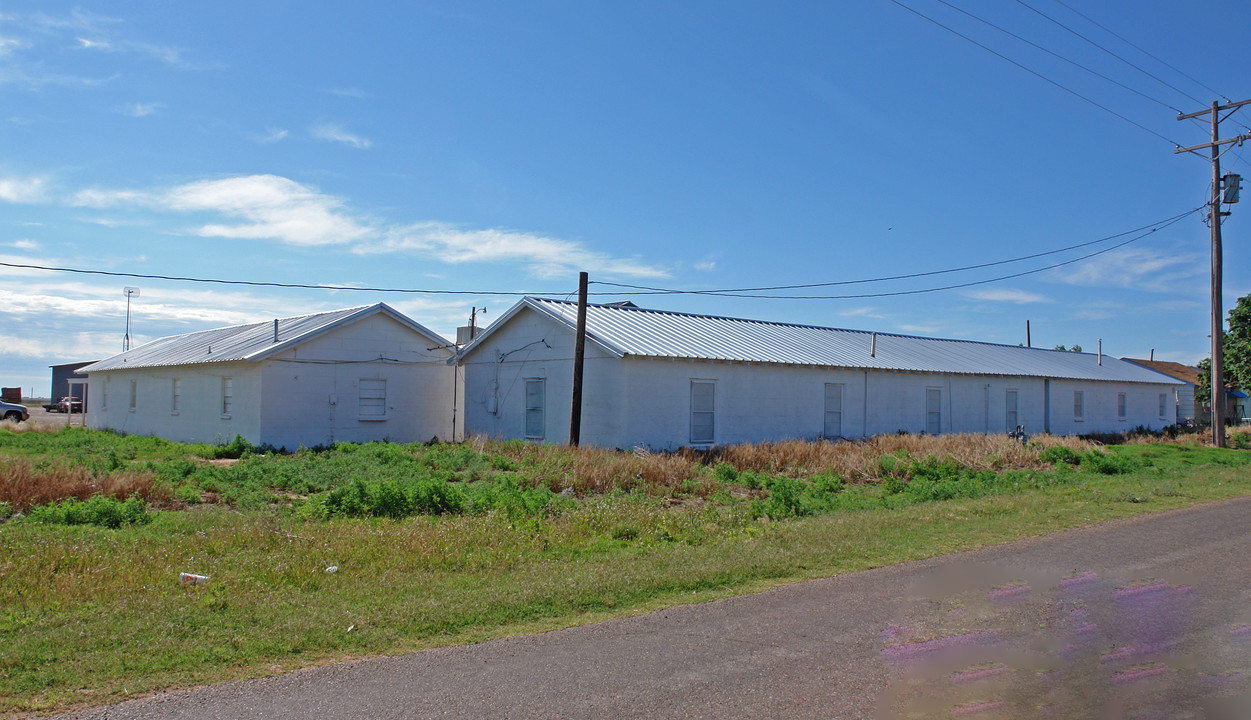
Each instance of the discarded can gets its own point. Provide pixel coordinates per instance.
(192, 579)
(332, 569)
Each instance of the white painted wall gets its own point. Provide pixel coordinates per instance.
(311, 393)
(646, 401)
(286, 401)
(199, 417)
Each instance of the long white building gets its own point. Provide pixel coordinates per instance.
(357, 374)
(664, 380)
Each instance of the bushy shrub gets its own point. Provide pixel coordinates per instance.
(1098, 462)
(1060, 454)
(99, 510)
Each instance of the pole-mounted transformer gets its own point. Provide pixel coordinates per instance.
(1232, 182)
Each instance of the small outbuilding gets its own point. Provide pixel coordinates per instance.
(1184, 399)
(662, 380)
(357, 374)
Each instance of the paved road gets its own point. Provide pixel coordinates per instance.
(1147, 617)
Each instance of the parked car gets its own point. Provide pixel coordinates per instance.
(70, 404)
(14, 412)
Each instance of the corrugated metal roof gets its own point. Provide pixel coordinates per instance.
(243, 342)
(656, 333)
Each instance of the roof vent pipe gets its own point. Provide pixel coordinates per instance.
(1152, 354)
(1100, 351)
(873, 346)
(275, 329)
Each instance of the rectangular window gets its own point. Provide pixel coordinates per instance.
(1010, 415)
(134, 394)
(228, 395)
(833, 410)
(1079, 405)
(175, 396)
(933, 411)
(372, 403)
(1120, 406)
(1163, 406)
(104, 395)
(536, 404)
(703, 411)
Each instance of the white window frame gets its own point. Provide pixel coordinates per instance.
(104, 394)
(228, 396)
(134, 395)
(1163, 406)
(175, 396)
(934, 413)
(701, 414)
(535, 401)
(833, 421)
(1079, 406)
(1011, 408)
(371, 399)
(1122, 406)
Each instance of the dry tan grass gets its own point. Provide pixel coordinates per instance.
(858, 460)
(24, 484)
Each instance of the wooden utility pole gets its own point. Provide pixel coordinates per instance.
(1214, 219)
(579, 349)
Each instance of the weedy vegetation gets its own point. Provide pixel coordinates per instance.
(447, 543)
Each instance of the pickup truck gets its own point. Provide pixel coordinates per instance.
(67, 404)
(13, 411)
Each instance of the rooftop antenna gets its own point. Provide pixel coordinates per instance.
(130, 292)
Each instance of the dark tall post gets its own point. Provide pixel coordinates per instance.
(579, 348)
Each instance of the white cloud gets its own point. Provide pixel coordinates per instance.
(334, 133)
(546, 257)
(863, 312)
(1019, 297)
(74, 346)
(706, 265)
(271, 136)
(920, 329)
(94, 44)
(23, 190)
(138, 110)
(1134, 268)
(25, 244)
(347, 92)
(272, 207)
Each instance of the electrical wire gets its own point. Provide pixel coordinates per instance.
(1156, 225)
(1074, 63)
(252, 283)
(1144, 52)
(1118, 57)
(922, 290)
(1035, 73)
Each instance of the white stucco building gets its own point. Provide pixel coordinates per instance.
(664, 380)
(358, 374)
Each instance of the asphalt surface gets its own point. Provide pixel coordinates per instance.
(1147, 617)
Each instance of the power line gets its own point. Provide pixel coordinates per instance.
(1118, 57)
(1074, 63)
(252, 283)
(1144, 52)
(1035, 73)
(1150, 226)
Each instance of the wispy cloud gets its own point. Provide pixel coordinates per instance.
(271, 136)
(335, 133)
(1010, 295)
(545, 257)
(347, 92)
(708, 264)
(138, 110)
(1134, 268)
(920, 329)
(23, 189)
(863, 312)
(269, 207)
(25, 244)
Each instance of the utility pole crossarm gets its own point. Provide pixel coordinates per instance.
(1218, 108)
(1240, 139)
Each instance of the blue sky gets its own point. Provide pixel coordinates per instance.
(694, 146)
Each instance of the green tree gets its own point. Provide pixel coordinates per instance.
(1075, 348)
(1237, 353)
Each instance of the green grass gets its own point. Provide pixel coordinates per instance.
(91, 614)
